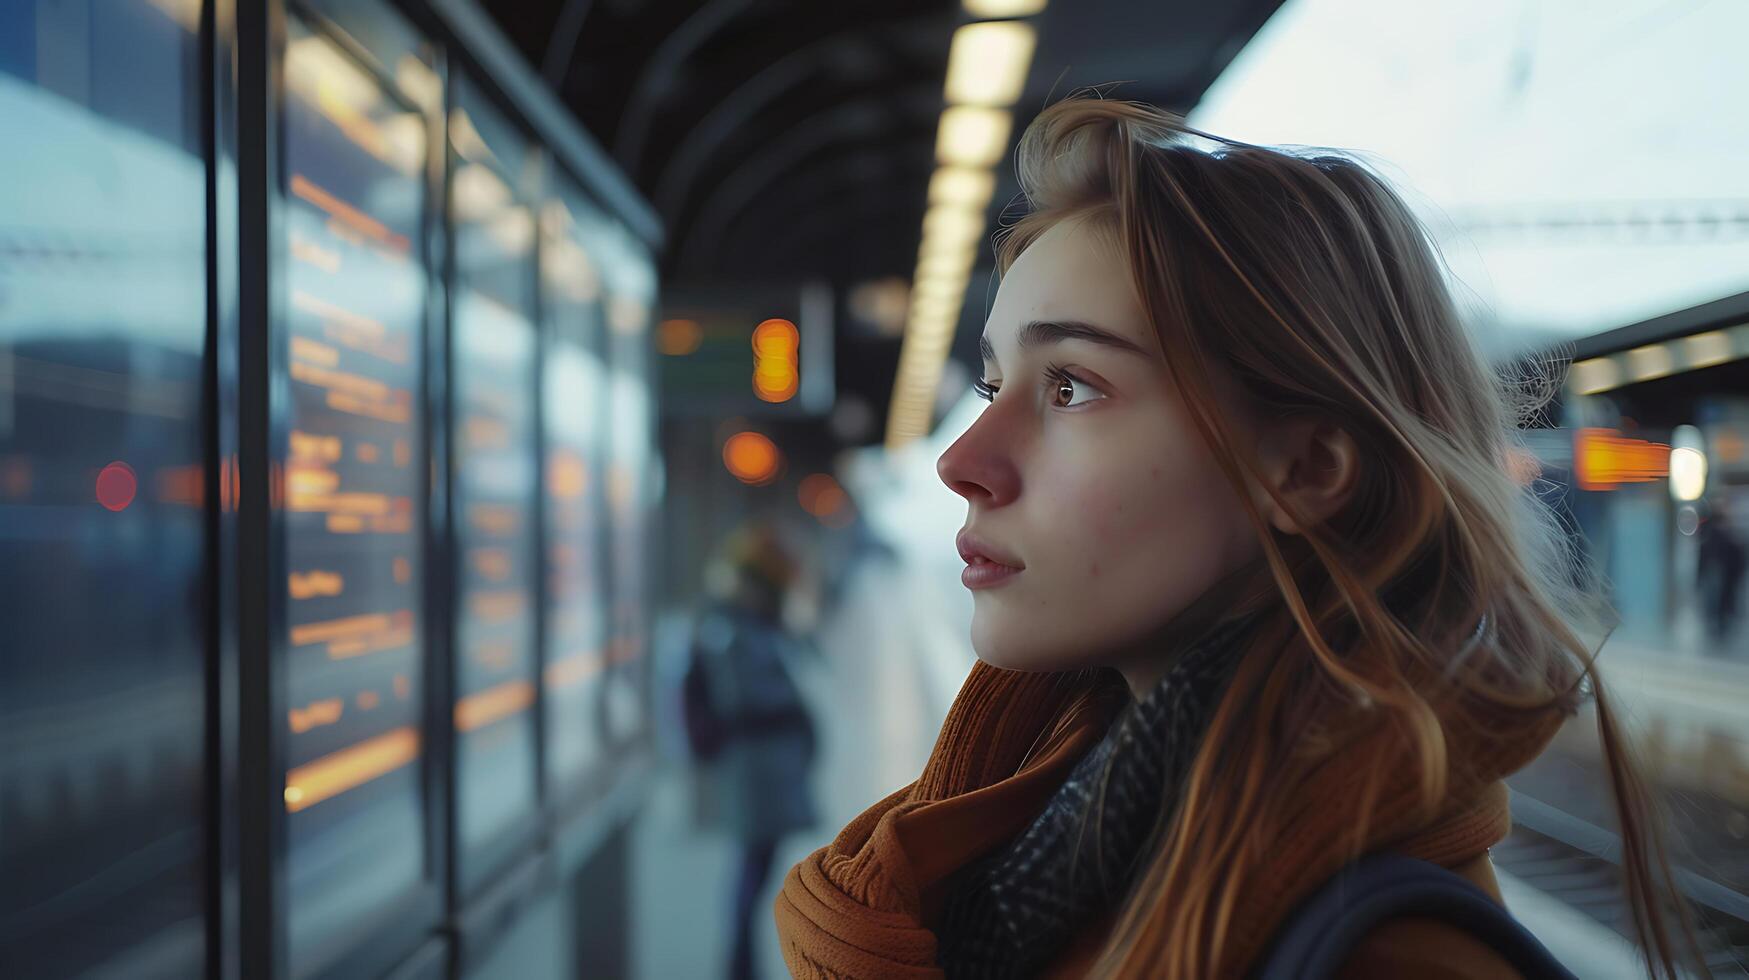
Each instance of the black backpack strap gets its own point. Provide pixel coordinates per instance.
(1317, 938)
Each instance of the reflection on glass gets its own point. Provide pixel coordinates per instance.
(102, 325)
(495, 494)
(400, 52)
(355, 283)
(574, 395)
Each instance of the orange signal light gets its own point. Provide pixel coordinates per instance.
(752, 458)
(776, 337)
(1604, 459)
(775, 364)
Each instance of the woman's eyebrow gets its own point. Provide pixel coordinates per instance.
(1042, 333)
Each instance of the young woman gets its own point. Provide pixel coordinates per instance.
(1256, 592)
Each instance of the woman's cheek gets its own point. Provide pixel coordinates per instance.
(1102, 514)
(1120, 537)
(1130, 501)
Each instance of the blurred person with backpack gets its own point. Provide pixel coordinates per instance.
(1721, 565)
(746, 720)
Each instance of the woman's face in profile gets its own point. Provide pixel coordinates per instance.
(1095, 511)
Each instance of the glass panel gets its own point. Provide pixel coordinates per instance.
(102, 646)
(495, 497)
(355, 301)
(575, 395)
(631, 287)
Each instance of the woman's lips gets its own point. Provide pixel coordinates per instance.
(986, 565)
(985, 574)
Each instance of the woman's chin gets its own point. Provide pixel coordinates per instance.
(1009, 654)
(1009, 664)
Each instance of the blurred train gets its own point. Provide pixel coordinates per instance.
(326, 480)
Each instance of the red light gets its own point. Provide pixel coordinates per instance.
(116, 485)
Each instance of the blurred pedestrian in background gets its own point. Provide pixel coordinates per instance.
(745, 717)
(1720, 575)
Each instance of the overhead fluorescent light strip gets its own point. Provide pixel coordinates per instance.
(987, 63)
(972, 136)
(964, 186)
(995, 9)
(987, 67)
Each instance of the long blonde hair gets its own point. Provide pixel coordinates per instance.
(1443, 602)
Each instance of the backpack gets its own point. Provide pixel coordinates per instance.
(706, 732)
(721, 643)
(1317, 937)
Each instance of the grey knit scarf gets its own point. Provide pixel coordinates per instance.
(1018, 907)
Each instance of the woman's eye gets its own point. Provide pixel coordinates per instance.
(1070, 392)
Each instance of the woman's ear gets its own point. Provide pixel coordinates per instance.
(1312, 465)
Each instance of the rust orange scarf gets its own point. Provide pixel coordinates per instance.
(859, 907)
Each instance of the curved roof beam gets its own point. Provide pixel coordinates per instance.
(822, 191)
(811, 238)
(634, 124)
(847, 121)
(556, 64)
(742, 103)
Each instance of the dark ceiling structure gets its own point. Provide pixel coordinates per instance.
(793, 139)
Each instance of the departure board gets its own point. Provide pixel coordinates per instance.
(574, 390)
(355, 303)
(496, 487)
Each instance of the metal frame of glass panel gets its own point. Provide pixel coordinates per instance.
(227, 866)
(257, 765)
(434, 957)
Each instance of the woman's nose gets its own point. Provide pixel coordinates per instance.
(978, 468)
